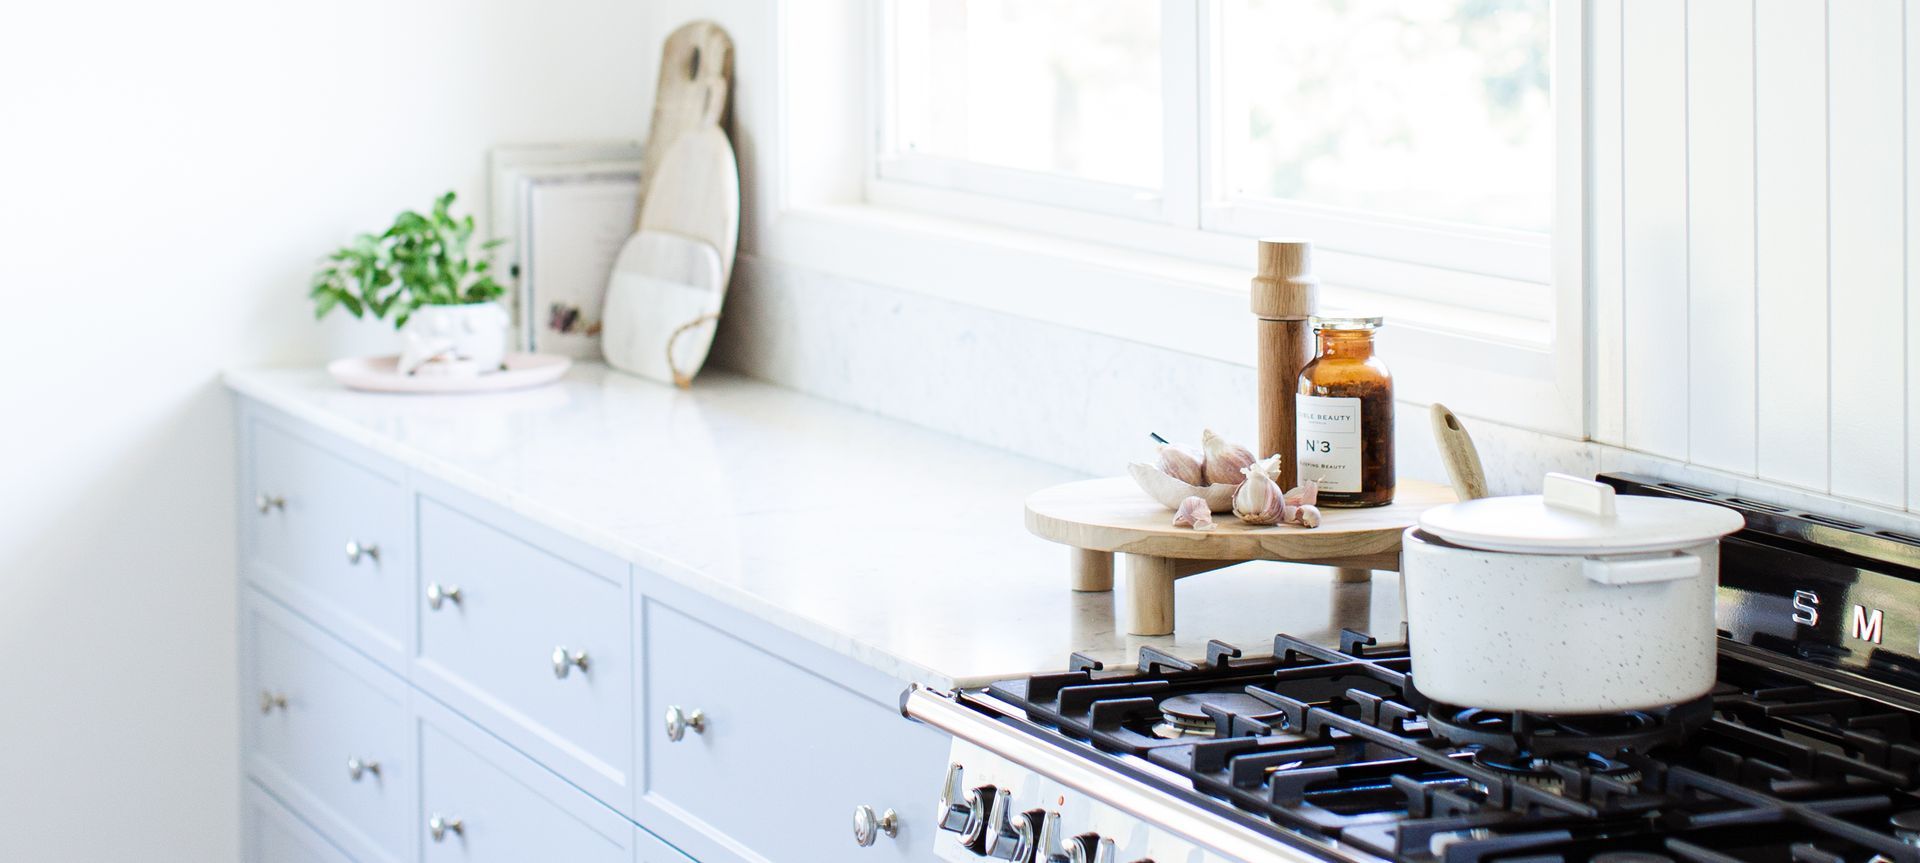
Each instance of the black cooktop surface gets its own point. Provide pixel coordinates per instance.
(1339, 744)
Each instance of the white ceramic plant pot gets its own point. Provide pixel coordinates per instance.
(1566, 603)
(477, 332)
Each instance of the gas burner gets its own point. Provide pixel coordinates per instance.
(1187, 715)
(1551, 773)
(1550, 736)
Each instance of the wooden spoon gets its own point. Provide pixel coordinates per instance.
(1459, 454)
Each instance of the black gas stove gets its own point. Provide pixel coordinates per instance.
(1808, 748)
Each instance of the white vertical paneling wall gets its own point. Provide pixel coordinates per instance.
(1866, 236)
(1790, 274)
(1720, 234)
(1606, 220)
(1912, 61)
(1654, 203)
(1753, 204)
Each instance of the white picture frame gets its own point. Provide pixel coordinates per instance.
(563, 212)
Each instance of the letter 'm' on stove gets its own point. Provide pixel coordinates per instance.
(1867, 623)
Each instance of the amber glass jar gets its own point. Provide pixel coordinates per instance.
(1343, 416)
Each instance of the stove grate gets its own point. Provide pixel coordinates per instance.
(1339, 744)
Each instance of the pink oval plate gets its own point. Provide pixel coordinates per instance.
(382, 374)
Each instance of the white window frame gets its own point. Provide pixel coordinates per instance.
(1171, 203)
(1492, 322)
(1193, 195)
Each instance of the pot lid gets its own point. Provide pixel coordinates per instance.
(1578, 516)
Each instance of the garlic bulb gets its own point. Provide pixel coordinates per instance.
(1224, 461)
(1183, 463)
(1259, 500)
(1194, 513)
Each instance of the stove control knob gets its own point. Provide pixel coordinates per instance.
(966, 817)
(1003, 838)
(1047, 846)
(977, 831)
(1028, 829)
(1089, 848)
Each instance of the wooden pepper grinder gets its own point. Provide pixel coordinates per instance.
(1285, 299)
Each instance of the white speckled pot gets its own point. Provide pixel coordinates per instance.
(1510, 631)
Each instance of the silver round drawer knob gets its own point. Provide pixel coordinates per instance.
(565, 661)
(438, 593)
(439, 826)
(267, 503)
(680, 721)
(271, 700)
(358, 767)
(868, 827)
(356, 551)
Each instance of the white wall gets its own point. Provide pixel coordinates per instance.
(169, 172)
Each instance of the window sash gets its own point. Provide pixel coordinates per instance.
(1193, 193)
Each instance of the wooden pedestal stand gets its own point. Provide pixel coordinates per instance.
(1098, 518)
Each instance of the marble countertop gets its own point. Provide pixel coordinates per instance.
(898, 546)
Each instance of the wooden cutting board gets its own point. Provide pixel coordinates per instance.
(670, 278)
(694, 92)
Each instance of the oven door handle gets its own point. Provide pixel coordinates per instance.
(1137, 799)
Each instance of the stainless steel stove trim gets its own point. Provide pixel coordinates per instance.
(1219, 834)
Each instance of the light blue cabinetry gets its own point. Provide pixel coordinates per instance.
(538, 644)
(432, 677)
(831, 750)
(485, 803)
(269, 832)
(329, 530)
(326, 731)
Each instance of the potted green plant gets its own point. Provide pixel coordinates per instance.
(426, 272)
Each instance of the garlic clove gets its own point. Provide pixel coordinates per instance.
(1307, 493)
(1259, 501)
(1268, 467)
(1224, 461)
(1183, 463)
(1306, 515)
(1194, 513)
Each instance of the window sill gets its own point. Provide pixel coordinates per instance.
(1481, 363)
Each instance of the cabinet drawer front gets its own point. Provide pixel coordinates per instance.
(509, 650)
(309, 510)
(487, 803)
(327, 731)
(771, 727)
(271, 834)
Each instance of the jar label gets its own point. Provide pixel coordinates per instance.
(1328, 432)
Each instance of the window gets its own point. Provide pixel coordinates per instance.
(1416, 134)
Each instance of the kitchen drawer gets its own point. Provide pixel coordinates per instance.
(326, 731)
(330, 536)
(271, 834)
(815, 750)
(489, 803)
(492, 652)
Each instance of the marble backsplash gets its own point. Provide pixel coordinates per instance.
(1087, 401)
